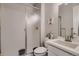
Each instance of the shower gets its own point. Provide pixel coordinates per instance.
(33, 29)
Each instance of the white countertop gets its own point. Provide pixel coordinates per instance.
(74, 51)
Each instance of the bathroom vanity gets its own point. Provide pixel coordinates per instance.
(60, 47)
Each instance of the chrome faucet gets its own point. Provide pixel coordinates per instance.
(68, 38)
(72, 33)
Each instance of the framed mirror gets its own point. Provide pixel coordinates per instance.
(68, 19)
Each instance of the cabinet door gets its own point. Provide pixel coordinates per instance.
(57, 51)
(51, 53)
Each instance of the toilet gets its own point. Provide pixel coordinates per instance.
(40, 51)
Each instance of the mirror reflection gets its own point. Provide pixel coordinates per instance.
(68, 22)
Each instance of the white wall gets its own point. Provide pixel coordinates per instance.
(42, 23)
(54, 26)
(66, 13)
(48, 15)
(51, 11)
(12, 29)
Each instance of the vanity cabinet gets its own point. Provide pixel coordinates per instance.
(53, 51)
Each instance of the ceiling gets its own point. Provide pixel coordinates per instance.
(38, 5)
(70, 4)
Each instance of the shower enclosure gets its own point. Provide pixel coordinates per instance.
(33, 27)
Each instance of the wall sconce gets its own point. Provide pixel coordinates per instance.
(51, 21)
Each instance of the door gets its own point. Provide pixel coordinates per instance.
(12, 29)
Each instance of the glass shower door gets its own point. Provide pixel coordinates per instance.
(33, 28)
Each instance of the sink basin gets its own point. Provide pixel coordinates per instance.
(67, 44)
